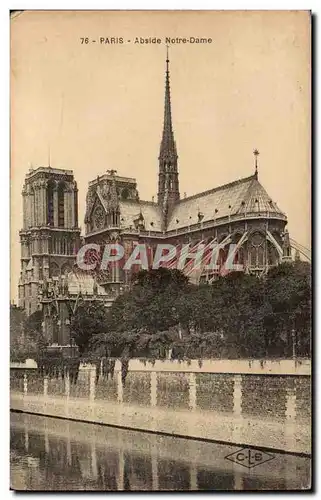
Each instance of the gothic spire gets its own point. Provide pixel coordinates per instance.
(168, 147)
(168, 183)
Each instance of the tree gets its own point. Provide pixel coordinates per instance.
(25, 334)
(160, 279)
(89, 319)
(132, 344)
(33, 324)
(238, 311)
(288, 323)
(231, 309)
(150, 305)
(239, 315)
(17, 321)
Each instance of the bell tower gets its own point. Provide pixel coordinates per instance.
(168, 184)
(50, 235)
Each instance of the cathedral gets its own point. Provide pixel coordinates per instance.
(240, 212)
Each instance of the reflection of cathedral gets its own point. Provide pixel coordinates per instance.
(240, 212)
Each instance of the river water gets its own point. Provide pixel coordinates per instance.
(49, 454)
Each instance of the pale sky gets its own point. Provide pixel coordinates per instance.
(100, 106)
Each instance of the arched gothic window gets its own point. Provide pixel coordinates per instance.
(76, 207)
(257, 250)
(125, 193)
(115, 218)
(50, 203)
(54, 270)
(61, 205)
(55, 331)
(273, 257)
(33, 208)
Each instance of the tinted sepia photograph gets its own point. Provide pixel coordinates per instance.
(160, 259)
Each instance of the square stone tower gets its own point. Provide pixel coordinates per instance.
(50, 236)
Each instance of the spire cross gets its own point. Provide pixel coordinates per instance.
(167, 57)
(256, 154)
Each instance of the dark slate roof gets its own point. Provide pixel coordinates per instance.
(131, 210)
(242, 197)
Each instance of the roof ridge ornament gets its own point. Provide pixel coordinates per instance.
(256, 153)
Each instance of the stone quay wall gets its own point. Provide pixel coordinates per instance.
(251, 402)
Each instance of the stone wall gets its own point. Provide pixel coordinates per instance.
(252, 403)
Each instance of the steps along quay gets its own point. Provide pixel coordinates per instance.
(254, 403)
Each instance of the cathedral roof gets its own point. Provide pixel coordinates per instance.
(242, 197)
(131, 210)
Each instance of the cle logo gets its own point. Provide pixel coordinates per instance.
(249, 458)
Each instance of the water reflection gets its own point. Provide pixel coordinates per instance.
(52, 454)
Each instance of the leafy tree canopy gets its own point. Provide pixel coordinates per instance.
(239, 315)
(90, 318)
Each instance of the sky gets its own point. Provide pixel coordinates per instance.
(98, 106)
